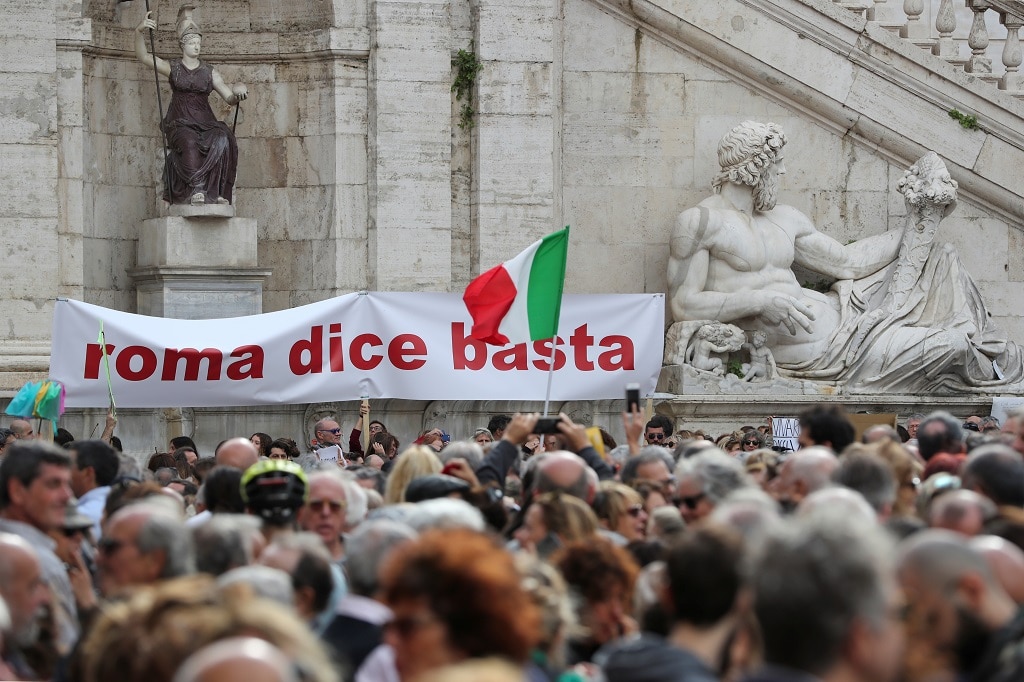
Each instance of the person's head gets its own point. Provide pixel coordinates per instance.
(22, 429)
(367, 551)
(455, 595)
(326, 512)
(880, 432)
(141, 545)
(654, 432)
(388, 442)
(652, 463)
(939, 432)
(1005, 560)
(751, 154)
(906, 469)
(704, 570)
(327, 432)
(262, 442)
(160, 460)
(555, 519)
(497, 424)
(416, 461)
(750, 441)
(224, 542)
(871, 476)
(376, 427)
(704, 480)
(804, 472)
(35, 484)
(482, 437)
(954, 598)
(550, 595)
(913, 423)
(997, 472)
(603, 575)
(23, 588)
(239, 453)
(283, 448)
(7, 438)
(565, 472)
(961, 511)
(303, 557)
(222, 491)
(843, 620)
(762, 466)
(620, 509)
(94, 464)
(828, 426)
(182, 442)
(177, 618)
(463, 449)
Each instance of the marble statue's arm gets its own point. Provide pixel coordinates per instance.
(232, 95)
(689, 261)
(821, 253)
(142, 54)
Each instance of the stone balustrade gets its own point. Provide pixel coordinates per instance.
(909, 19)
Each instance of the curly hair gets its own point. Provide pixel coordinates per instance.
(472, 586)
(746, 151)
(149, 635)
(596, 569)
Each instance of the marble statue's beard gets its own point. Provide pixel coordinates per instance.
(766, 192)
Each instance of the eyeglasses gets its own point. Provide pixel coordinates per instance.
(655, 436)
(109, 546)
(334, 431)
(407, 625)
(690, 501)
(72, 532)
(751, 442)
(635, 511)
(320, 505)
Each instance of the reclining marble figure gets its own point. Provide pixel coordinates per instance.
(903, 314)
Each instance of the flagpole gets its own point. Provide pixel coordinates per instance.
(554, 339)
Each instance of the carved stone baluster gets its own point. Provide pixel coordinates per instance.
(1011, 52)
(978, 40)
(915, 29)
(888, 13)
(945, 24)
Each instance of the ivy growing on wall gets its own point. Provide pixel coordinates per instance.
(466, 69)
(968, 121)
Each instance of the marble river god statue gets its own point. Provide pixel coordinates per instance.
(902, 316)
(202, 154)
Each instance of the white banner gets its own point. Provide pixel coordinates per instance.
(381, 345)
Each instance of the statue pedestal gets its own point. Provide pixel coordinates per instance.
(200, 264)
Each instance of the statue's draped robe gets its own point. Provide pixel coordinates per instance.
(938, 339)
(203, 155)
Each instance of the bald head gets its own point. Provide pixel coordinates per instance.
(806, 471)
(238, 453)
(939, 559)
(566, 472)
(239, 659)
(838, 501)
(961, 511)
(22, 429)
(22, 587)
(1006, 562)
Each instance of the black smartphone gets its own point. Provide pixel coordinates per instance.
(547, 425)
(632, 397)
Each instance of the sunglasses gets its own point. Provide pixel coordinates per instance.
(320, 505)
(751, 442)
(655, 436)
(635, 511)
(406, 626)
(72, 532)
(691, 501)
(334, 431)
(109, 545)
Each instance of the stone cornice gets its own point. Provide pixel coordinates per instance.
(883, 67)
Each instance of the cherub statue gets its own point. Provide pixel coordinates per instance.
(202, 153)
(762, 362)
(716, 337)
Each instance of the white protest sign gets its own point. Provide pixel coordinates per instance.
(786, 432)
(331, 453)
(380, 345)
(1003, 406)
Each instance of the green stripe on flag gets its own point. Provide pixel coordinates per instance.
(547, 279)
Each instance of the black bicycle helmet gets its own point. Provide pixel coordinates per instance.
(274, 490)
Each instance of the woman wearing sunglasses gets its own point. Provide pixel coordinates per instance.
(620, 511)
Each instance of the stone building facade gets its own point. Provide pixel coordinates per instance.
(602, 114)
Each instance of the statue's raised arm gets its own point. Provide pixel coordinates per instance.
(202, 155)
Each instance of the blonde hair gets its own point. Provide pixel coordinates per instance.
(612, 502)
(568, 517)
(417, 461)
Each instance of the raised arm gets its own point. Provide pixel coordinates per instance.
(820, 253)
(142, 54)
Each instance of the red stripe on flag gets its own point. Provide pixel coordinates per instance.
(488, 298)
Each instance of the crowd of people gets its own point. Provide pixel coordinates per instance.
(521, 556)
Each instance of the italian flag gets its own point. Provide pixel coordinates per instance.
(520, 299)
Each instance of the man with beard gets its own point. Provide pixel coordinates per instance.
(958, 609)
(732, 255)
(899, 301)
